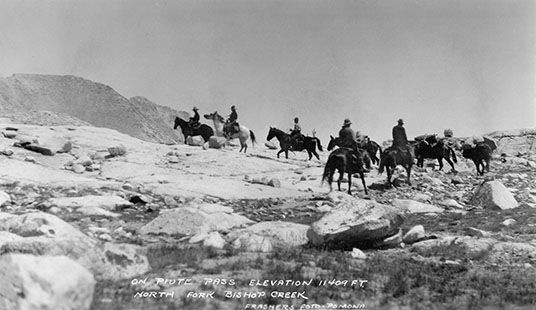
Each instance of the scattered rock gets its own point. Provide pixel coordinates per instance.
(415, 234)
(412, 206)
(474, 232)
(119, 150)
(358, 254)
(509, 222)
(214, 240)
(269, 236)
(192, 221)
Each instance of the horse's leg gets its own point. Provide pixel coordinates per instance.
(341, 175)
(316, 155)
(389, 174)
(349, 183)
(440, 160)
(477, 164)
(362, 175)
(450, 163)
(408, 171)
(280, 151)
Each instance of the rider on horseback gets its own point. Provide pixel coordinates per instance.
(400, 139)
(347, 136)
(296, 136)
(194, 120)
(231, 125)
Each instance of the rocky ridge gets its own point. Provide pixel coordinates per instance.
(25, 96)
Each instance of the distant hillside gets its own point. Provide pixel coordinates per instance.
(94, 103)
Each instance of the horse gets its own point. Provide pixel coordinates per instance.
(437, 151)
(394, 156)
(243, 133)
(204, 131)
(480, 154)
(285, 142)
(344, 160)
(372, 148)
(365, 156)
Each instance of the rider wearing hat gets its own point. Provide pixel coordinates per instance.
(296, 135)
(400, 139)
(347, 135)
(231, 124)
(194, 120)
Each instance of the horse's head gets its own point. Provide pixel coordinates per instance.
(332, 143)
(178, 122)
(271, 134)
(214, 117)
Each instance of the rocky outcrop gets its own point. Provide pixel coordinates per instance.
(44, 282)
(356, 223)
(94, 103)
(514, 142)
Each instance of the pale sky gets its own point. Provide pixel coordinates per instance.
(469, 65)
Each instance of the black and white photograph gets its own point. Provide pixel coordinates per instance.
(267, 154)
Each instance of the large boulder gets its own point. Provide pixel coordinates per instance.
(356, 223)
(493, 195)
(44, 282)
(195, 220)
(269, 236)
(195, 141)
(57, 144)
(45, 234)
(216, 142)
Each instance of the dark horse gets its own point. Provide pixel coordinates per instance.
(394, 156)
(343, 160)
(285, 142)
(372, 148)
(479, 154)
(437, 151)
(364, 154)
(204, 131)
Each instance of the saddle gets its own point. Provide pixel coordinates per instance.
(231, 128)
(195, 126)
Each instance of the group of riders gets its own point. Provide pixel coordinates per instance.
(347, 136)
(231, 125)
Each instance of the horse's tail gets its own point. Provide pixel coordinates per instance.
(318, 144)
(327, 172)
(252, 135)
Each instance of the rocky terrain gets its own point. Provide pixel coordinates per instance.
(25, 95)
(91, 218)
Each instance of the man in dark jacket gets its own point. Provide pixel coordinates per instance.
(400, 139)
(347, 135)
(194, 120)
(231, 126)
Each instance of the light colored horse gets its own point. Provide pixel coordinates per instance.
(243, 134)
